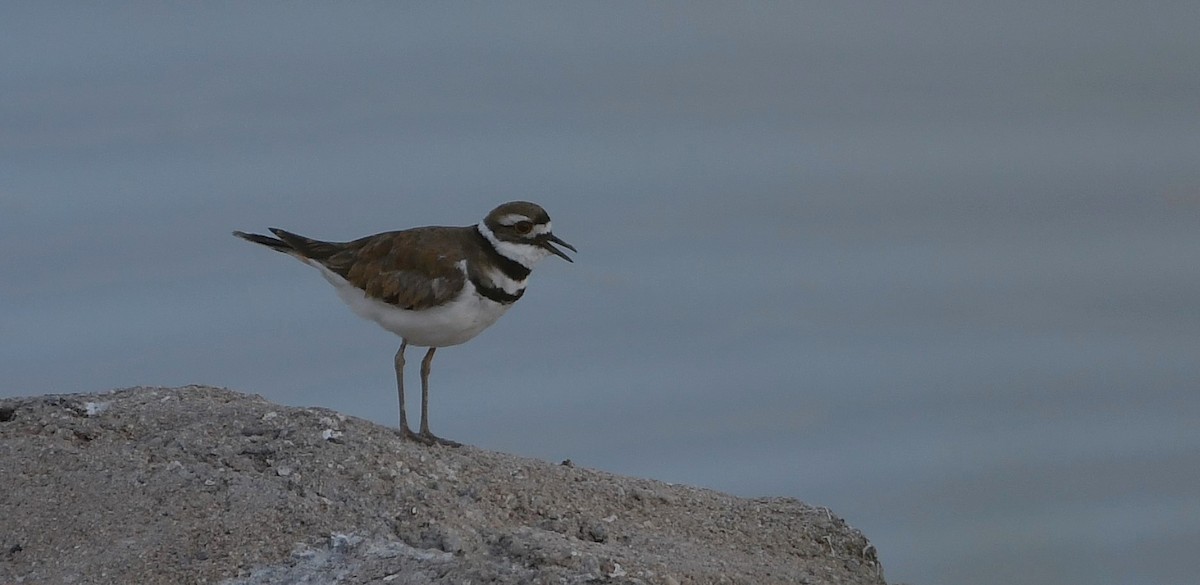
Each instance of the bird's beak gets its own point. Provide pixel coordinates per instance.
(548, 243)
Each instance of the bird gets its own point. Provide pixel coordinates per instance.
(434, 286)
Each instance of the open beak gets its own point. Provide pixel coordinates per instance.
(548, 243)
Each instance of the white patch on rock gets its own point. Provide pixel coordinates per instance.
(95, 408)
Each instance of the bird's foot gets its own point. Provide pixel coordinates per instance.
(427, 438)
(434, 439)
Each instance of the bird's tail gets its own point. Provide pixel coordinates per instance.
(268, 241)
(293, 244)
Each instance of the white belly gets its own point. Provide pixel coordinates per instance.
(450, 324)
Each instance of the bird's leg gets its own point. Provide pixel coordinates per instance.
(425, 365)
(405, 432)
(425, 433)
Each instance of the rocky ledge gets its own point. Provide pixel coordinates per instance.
(206, 485)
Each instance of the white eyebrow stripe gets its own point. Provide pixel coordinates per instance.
(512, 219)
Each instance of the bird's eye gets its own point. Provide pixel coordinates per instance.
(523, 227)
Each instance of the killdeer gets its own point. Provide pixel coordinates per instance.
(433, 286)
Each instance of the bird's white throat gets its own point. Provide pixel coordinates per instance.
(524, 254)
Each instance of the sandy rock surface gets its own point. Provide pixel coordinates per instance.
(205, 485)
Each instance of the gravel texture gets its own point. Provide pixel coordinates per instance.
(206, 485)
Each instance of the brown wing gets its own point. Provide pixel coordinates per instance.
(412, 269)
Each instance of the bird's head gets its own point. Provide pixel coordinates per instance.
(521, 231)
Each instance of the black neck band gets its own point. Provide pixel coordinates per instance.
(511, 268)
